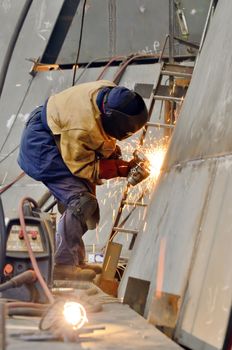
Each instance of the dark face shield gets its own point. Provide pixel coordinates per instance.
(120, 125)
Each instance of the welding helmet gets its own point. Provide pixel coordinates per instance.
(123, 112)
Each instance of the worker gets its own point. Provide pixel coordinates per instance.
(69, 144)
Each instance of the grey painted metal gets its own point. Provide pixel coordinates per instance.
(207, 22)
(210, 84)
(12, 43)
(195, 13)
(185, 249)
(123, 27)
(13, 109)
(9, 12)
(106, 37)
(37, 28)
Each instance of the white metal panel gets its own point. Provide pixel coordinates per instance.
(173, 220)
(188, 239)
(208, 298)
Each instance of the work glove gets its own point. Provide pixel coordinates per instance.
(110, 168)
(117, 154)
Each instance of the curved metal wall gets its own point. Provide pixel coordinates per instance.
(205, 122)
(185, 251)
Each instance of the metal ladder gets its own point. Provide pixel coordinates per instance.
(171, 93)
(168, 93)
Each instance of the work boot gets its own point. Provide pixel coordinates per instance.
(94, 267)
(70, 272)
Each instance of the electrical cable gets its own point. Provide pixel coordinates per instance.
(30, 252)
(26, 277)
(26, 311)
(79, 42)
(9, 132)
(23, 308)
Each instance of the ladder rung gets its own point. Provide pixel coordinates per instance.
(177, 74)
(164, 90)
(168, 98)
(135, 203)
(173, 67)
(126, 230)
(159, 125)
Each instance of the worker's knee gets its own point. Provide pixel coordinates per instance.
(85, 207)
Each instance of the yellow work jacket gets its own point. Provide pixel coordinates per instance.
(74, 119)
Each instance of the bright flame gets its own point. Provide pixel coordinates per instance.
(75, 314)
(156, 158)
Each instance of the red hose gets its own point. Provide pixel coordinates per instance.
(30, 252)
(108, 64)
(126, 63)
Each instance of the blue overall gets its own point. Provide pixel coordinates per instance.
(40, 158)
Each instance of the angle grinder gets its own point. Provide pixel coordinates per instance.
(141, 170)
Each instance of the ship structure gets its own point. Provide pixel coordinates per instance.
(163, 243)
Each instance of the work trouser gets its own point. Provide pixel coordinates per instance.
(70, 249)
(40, 158)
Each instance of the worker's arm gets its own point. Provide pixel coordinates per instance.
(110, 168)
(114, 166)
(79, 152)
